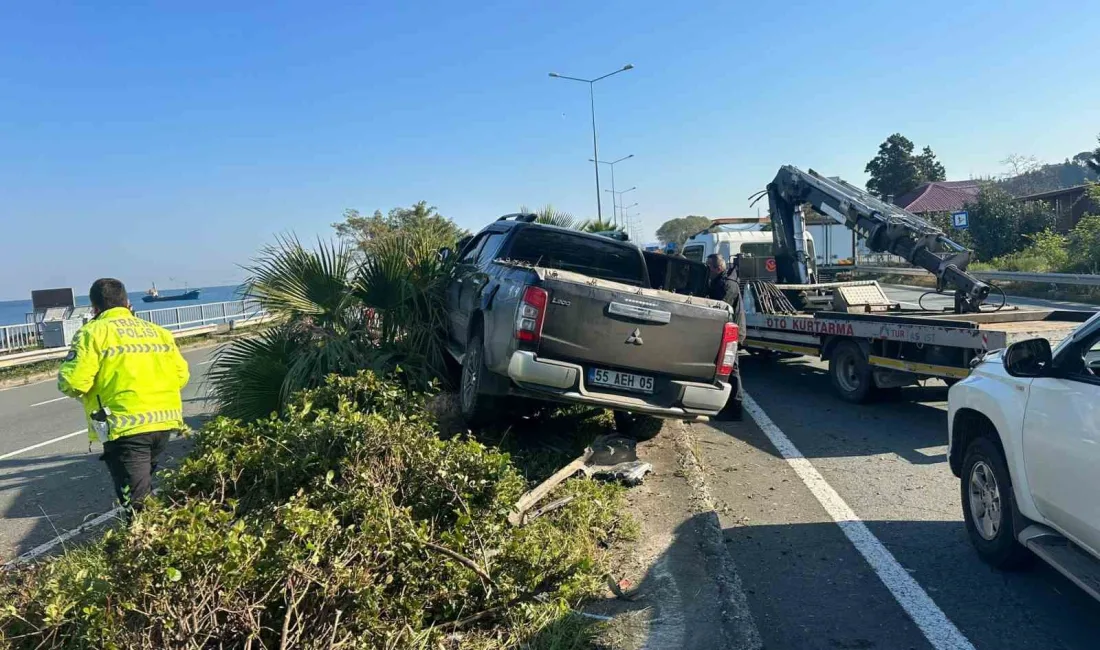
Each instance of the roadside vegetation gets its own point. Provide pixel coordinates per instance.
(348, 522)
(338, 502)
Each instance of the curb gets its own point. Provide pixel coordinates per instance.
(739, 627)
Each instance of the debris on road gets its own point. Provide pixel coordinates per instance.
(608, 458)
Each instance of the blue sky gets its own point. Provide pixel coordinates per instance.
(153, 143)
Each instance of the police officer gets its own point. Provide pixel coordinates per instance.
(723, 286)
(129, 373)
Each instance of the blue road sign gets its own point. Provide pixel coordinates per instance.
(960, 219)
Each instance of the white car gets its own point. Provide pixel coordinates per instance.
(1024, 438)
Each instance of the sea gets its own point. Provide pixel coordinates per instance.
(13, 312)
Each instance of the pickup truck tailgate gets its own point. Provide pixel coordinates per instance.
(611, 325)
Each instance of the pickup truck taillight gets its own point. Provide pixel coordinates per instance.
(530, 314)
(727, 353)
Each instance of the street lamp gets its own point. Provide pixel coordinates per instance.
(592, 103)
(619, 196)
(612, 164)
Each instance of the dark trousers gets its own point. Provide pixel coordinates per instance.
(733, 409)
(132, 461)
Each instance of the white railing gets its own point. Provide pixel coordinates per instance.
(214, 313)
(18, 337)
(21, 337)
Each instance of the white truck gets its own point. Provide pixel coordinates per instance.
(1024, 440)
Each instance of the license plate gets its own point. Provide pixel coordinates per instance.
(620, 380)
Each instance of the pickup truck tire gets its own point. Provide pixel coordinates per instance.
(636, 425)
(989, 506)
(850, 373)
(475, 406)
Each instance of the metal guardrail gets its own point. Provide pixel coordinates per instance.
(1079, 279)
(28, 335)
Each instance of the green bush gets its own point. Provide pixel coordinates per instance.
(346, 522)
(1047, 253)
(1084, 245)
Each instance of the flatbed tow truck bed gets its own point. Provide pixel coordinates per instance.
(886, 350)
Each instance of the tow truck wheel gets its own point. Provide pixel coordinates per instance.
(988, 506)
(636, 425)
(475, 406)
(850, 373)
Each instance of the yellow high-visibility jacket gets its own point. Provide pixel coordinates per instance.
(133, 367)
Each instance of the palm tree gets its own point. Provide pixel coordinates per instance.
(338, 312)
(551, 217)
(596, 225)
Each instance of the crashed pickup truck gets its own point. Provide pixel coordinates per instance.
(553, 314)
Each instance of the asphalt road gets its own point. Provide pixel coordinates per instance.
(58, 485)
(807, 584)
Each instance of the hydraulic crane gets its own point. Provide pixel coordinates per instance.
(884, 227)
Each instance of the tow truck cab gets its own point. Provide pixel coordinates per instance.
(730, 237)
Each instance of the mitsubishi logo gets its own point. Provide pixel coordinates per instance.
(635, 337)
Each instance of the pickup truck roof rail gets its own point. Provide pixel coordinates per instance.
(522, 217)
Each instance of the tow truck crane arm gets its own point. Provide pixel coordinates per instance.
(884, 227)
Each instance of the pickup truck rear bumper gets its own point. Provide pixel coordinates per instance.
(563, 381)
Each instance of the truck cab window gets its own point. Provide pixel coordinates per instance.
(469, 256)
(490, 248)
(757, 250)
(694, 253)
(593, 256)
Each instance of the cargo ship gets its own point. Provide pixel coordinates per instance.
(152, 295)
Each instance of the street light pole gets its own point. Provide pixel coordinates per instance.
(592, 102)
(612, 164)
(619, 196)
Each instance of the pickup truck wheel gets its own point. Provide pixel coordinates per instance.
(988, 506)
(850, 373)
(636, 425)
(476, 407)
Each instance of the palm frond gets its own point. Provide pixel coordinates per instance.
(248, 374)
(551, 217)
(288, 279)
(596, 225)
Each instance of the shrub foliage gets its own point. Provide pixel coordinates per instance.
(346, 523)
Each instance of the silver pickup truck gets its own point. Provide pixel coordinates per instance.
(559, 315)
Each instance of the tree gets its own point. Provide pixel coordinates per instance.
(596, 225)
(1020, 164)
(339, 313)
(1084, 244)
(551, 217)
(678, 230)
(364, 232)
(895, 169)
(1093, 159)
(930, 169)
(999, 225)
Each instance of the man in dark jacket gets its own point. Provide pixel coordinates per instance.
(724, 286)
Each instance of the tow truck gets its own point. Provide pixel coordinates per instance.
(873, 345)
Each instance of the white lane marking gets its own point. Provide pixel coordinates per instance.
(42, 444)
(50, 401)
(933, 623)
(64, 537)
